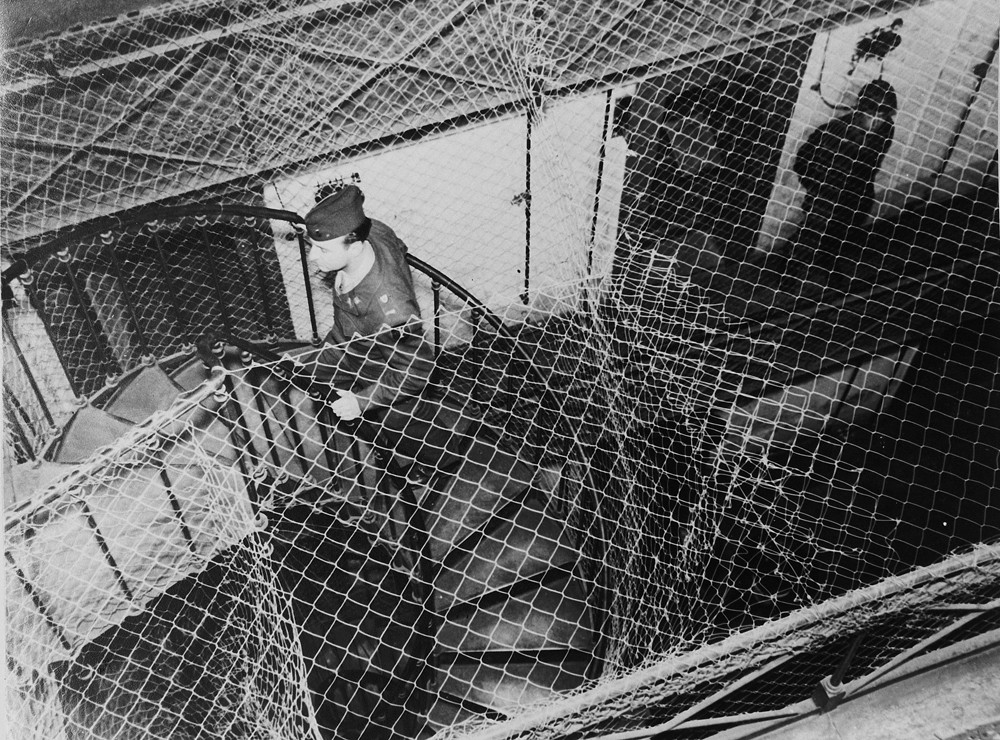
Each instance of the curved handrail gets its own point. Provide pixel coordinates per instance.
(21, 263)
(140, 217)
(83, 237)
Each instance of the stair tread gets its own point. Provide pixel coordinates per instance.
(485, 481)
(147, 392)
(552, 615)
(513, 686)
(88, 430)
(29, 478)
(190, 374)
(529, 543)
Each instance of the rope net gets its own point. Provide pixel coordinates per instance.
(691, 379)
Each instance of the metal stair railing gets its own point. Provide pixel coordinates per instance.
(69, 256)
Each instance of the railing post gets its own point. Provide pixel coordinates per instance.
(38, 304)
(300, 233)
(111, 367)
(227, 320)
(107, 239)
(18, 428)
(38, 603)
(436, 291)
(23, 362)
(172, 293)
(106, 551)
(601, 156)
(261, 280)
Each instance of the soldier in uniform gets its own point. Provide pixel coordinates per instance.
(376, 357)
(376, 354)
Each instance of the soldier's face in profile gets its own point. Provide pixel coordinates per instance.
(332, 254)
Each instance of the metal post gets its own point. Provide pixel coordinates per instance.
(436, 290)
(39, 604)
(601, 156)
(527, 207)
(23, 362)
(27, 280)
(227, 321)
(111, 367)
(172, 291)
(300, 232)
(21, 435)
(262, 281)
(106, 551)
(108, 241)
(178, 512)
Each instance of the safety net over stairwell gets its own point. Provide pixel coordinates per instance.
(711, 295)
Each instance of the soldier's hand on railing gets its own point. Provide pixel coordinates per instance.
(347, 406)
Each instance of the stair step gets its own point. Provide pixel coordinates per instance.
(444, 713)
(147, 392)
(511, 687)
(552, 615)
(93, 562)
(88, 430)
(29, 478)
(191, 373)
(486, 480)
(529, 543)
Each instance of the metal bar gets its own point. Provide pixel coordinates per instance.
(303, 258)
(242, 445)
(265, 293)
(946, 157)
(84, 303)
(172, 293)
(327, 435)
(436, 291)
(22, 437)
(745, 718)
(477, 316)
(227, 319)
(14, 344)
(102, 543)
(37, 143)
(601, 156)
(965, 607)
(527, 205)
(39, 305)
(838, 675)
(293, 430)
(129, 306)
(39, 604)
(683, 717)
(858, 684)
(176, 506)
(265, 424)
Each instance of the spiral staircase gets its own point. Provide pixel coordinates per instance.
(425, 593)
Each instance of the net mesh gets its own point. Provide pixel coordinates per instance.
(702, 352)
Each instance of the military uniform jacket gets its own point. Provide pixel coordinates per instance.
(380, 354)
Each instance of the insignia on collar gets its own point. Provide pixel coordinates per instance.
(384, 298)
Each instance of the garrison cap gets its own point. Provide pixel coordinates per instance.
(336, 215)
